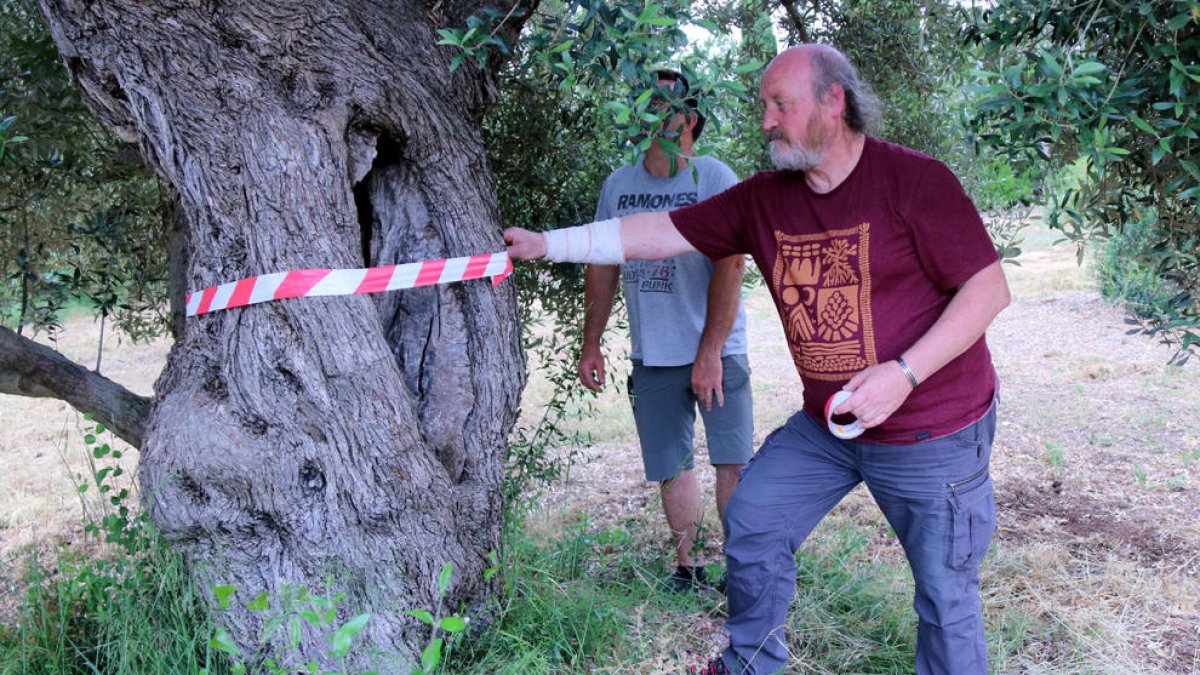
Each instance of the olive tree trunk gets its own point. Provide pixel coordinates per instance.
(359, 439)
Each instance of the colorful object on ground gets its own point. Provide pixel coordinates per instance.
(845, 426)
(324, 282)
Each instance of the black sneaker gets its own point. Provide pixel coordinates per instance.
(688, 580)
(713, 667)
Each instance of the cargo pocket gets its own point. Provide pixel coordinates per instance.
(972, 519)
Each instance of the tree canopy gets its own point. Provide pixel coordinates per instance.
(1111, 90)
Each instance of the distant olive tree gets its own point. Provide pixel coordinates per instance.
(1107, 94)
(80, 214)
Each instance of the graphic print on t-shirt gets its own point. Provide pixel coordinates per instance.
(645, 201)
(650, 276)
(823, 286)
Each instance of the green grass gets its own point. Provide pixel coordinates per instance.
(126, 606)
(585, 599)
(850, 614)
(134, 614)
(566, 604)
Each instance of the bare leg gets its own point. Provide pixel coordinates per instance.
(681, 504)
(727, 480)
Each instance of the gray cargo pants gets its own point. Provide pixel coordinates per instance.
(937, 496)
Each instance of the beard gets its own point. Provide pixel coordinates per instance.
(788, 155)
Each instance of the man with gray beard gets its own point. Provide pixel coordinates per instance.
(886, 280)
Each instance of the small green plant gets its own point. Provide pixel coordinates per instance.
(295, 606)
(1187, 458)
(116, 523)
(1054, 457)
(439, 646)
(7, 141)
(1143, 477)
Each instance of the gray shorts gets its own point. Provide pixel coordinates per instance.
(664, 409)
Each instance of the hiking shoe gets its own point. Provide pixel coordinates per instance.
(714, 667)
(687, 580)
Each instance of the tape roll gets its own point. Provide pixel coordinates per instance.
(841, 427)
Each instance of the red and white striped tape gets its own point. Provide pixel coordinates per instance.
(316, 282)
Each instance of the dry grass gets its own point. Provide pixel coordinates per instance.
(44, 456)
(41, 445)
(1098, 551)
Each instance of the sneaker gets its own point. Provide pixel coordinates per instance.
(713, 667)
(687, 580)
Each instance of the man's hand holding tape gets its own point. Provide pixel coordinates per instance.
(881, 389)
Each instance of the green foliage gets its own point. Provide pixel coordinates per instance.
(80, 216)
(289, 613)
(293, 610)
(128, 608)
(912, 55)
(1116, 85)
(7, 142)
(1125, 276)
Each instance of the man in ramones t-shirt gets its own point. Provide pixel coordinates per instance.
(687, 328)
(885, 280)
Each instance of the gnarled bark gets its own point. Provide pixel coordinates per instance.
(358, 438)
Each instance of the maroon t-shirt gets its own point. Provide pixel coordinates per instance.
(860, 274)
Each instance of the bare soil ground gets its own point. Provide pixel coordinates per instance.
(1099, 498)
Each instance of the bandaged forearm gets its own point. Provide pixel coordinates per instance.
(597, 243)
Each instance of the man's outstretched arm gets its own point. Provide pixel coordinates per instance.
(642, 236)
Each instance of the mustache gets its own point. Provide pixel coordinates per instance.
(776, 135)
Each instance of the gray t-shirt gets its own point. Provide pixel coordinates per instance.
(667, 299)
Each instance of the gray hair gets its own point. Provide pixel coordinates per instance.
(863, 111)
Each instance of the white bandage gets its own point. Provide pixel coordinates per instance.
(597, 243)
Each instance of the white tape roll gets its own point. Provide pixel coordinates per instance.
(841, 428)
